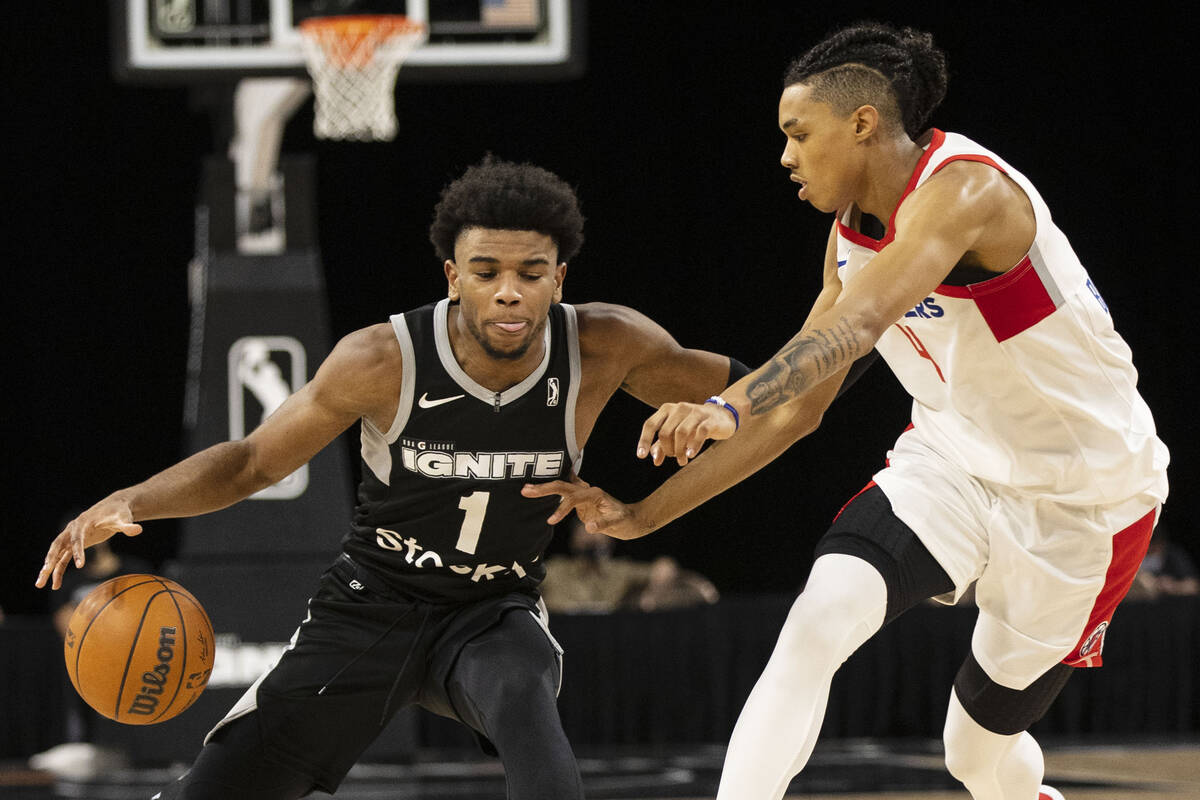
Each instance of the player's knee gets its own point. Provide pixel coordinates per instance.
(963, 761)
(983, 761)
(1002, 710)
(824, 615)
(519, 691)
(808, 625)
(516, 698)
(967, 766)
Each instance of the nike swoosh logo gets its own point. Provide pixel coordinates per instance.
(425, 402)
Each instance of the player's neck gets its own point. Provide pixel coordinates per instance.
(496, 374)
(489, 371)
(887, 176)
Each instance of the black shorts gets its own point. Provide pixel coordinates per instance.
(362, 654)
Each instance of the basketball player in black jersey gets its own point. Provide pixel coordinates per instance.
(434, 598)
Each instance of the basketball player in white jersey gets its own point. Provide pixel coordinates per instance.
(1031, 468)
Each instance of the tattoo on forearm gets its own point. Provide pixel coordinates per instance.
(802, 364)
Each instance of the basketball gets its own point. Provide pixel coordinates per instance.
(139, 649)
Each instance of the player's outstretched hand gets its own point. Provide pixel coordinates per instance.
(679, 430)
(100, 522)
(599, 511)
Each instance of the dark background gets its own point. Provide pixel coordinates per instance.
(671, 139)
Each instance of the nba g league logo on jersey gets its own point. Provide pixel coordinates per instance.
(263, 372)
(442, 460)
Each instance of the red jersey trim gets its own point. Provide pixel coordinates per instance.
(937, 140)
(982, 159)
(1128, 549)
(859, 239)
(1014, 301)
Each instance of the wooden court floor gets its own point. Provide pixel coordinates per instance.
(839, 770)
(1144, 772)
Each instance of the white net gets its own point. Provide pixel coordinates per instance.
(353, 62)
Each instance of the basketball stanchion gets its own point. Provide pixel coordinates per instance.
(353, 61)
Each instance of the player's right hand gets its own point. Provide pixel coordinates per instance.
(598, 510)
(100, 522)
(679, 430)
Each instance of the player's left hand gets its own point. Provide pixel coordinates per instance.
(99, 523)
(599, 511)
(679, 430)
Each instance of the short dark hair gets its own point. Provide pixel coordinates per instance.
(507, 196)
(900, 72)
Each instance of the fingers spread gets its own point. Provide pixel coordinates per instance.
(551, 487)
(572, 494)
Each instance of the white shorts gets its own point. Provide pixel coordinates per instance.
(1047, 575)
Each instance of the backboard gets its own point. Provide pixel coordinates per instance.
(198, 41)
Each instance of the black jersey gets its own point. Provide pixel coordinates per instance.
(440, 513)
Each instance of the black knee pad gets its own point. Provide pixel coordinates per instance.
(1003, 710)
(868, 529)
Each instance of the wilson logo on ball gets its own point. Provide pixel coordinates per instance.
(146, 700)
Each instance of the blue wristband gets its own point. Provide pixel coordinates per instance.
(716, 399)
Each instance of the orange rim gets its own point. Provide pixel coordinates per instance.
(354, 25)
(350, 40)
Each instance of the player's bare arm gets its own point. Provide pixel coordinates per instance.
(967, 211)
(724, 465)
(680, 428)
(360, 378)
(623, 349)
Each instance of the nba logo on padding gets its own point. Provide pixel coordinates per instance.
(263, 372)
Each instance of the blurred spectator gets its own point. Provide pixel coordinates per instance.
(1167, 569)
(591, 580)
(77, 758)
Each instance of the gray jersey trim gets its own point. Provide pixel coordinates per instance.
(572, 326)
(441, 335)
(374, 444)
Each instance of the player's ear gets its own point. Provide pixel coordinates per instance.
(451, 271)
(866, 121)
(560, 272)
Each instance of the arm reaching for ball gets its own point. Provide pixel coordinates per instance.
(354, 381)
(679, 430)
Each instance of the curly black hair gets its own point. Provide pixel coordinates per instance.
(508, 196)
(900, 72)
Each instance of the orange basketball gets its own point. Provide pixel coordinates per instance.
(139, 649)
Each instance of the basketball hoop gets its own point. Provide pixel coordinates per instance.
(353, 61)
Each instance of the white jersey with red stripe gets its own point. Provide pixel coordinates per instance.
(1020, 379)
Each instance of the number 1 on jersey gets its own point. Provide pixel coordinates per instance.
(475, 504)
